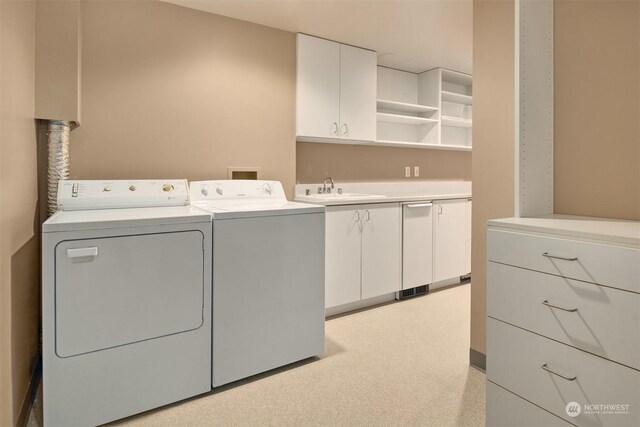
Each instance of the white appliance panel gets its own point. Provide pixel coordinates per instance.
(268, 293)
(116, 194)
(417, 244)
(120, 290)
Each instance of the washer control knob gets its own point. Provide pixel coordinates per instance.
(107, 188)
(167, 187)
(268, 188)
(132, 188)
(219, 190)
(204, 190)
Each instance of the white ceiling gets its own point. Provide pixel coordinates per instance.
(411, 35)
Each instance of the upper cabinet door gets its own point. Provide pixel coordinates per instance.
(358, 76)
(318, 87)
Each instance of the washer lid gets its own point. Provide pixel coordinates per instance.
(226, 209)
(117, 218)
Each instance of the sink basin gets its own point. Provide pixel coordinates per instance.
(343, 196)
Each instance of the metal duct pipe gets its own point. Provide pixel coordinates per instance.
(58, 160)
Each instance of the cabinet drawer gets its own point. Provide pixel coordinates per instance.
(606, 322)
(591, 262)
(505, 409)
(516, 360)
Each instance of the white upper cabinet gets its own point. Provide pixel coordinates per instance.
(427, 110)
(318, 87)
(336, 91)
(451, 91)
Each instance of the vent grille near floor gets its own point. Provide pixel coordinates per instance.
(413, 292)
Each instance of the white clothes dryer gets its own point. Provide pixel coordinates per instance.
(126, 300)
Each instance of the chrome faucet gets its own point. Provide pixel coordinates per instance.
(324, 185)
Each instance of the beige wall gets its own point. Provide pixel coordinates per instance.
(343, 163)
(597, 108)
(493, 172)
(173, 92)
(58, 60)
(19, 243)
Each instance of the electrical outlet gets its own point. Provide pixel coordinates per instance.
(407, 172)
(416, 171)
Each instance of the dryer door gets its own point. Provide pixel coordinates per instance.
(120, 290)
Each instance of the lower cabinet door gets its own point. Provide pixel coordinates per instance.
(342, 255)
(450, 239)
(381, 249)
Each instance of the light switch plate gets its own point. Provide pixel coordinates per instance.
(416, 171)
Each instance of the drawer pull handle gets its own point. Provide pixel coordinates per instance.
(548, 304)
(546, 368)
(564, 258)
(420, 205)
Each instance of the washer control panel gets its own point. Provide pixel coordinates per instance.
(86, 195)
(236, 189)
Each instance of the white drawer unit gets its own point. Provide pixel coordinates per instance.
(563, 326)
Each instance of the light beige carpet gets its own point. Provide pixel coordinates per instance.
(401, 364)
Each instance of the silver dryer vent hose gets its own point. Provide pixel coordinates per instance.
(58, 161)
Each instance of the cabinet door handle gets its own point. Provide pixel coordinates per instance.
(564, 258)
(335, 128)
(546, 368)
(345, 129)
(420, 205)
(358, 218)
(368, 215)
(439, 209)
(548, 304)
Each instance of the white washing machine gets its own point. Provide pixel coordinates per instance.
(126, 300)
(268, 277)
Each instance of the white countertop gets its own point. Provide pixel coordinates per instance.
(393, 198)
(614, 231)
(387, 192)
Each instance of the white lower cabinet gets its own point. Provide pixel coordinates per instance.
(450, 239)
(362, 252)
